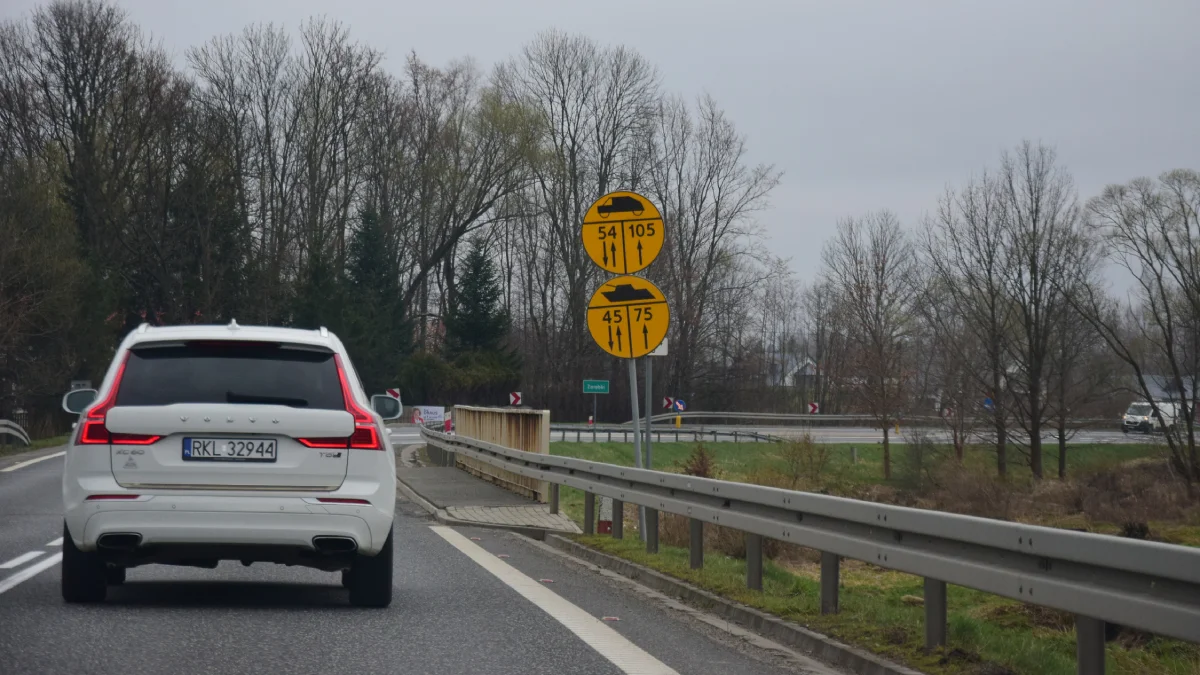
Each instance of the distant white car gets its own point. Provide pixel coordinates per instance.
(210, 443)
(1140, 417)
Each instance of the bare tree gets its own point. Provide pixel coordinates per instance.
(1040, 222)
(696, 173)
(873, 268)
(1152, 229)
(965, 251)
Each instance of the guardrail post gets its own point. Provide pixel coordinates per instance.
(554, 498)
(618, 519)
(651, 530)
(589, 513)
(578, 433)
(610, 435)
(830, 571)
(754, 564)
(935, 613)
(696, 542)
(1089, 646)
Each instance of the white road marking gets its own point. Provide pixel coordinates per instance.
(56, 542)
(7, 583)
(607, 642)
(35, 460)
(20, 560)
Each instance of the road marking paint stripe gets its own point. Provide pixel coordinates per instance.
(35, 460)
(607, 642)
(20, 560)
(7, 583)
(56, 542)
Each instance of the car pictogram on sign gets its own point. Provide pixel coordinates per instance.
(621, 204)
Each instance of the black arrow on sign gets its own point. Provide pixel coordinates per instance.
(605, 251)
(614, 250)
(610, 336)
(618, 338)
(639, 253)
(646, 336)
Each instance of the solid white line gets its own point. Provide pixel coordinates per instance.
(35, 460)
(56, 542)
(607, 642)
(29, 572)
(20, 560)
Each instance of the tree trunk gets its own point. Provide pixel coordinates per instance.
(887, 454)
(1062, 447)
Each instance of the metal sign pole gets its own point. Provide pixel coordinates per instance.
(595, 419)
(637, 437)
(649, 407)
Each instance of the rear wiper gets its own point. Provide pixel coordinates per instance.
(234, 397)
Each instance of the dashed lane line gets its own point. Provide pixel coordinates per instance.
(7, 583)
(20, 560)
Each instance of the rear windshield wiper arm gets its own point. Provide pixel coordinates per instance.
(234, 397)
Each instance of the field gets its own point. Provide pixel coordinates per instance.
(1110, 489)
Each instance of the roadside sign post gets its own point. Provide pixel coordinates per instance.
(628, 316)
(595, 387)
(649, 402)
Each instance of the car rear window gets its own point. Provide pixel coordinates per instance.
(231, 372)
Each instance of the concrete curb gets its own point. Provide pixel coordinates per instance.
(787, 633)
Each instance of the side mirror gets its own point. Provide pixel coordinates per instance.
(78, 400)
(387, 407)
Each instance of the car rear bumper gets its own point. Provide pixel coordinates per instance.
(220, 521)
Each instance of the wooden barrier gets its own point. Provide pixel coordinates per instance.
(527, 430)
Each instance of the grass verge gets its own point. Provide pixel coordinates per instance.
(882, 610)
(8, 450)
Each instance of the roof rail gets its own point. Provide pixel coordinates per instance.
(143, 327)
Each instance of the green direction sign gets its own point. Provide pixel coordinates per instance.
(595, 386)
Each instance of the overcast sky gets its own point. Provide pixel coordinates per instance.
(862, 105)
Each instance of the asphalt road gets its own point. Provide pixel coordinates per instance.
(459, 607)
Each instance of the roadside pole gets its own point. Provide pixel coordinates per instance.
(637, 437)
(649, 408)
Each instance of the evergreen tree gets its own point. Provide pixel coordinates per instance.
(476, 320)
(376, 332)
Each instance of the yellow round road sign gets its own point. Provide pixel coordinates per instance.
(628, 317)
(623, 232)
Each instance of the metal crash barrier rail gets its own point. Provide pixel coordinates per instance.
(1148, 586)
(624, 434)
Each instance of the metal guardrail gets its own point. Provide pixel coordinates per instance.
(623, 434)
(1149, 586)
(11, 428)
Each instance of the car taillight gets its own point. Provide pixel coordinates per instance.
(93, 432)
(365, 436)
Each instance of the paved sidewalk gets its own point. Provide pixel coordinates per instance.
(456, 497)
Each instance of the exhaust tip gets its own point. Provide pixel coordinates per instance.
(333, 545)
(119, 541)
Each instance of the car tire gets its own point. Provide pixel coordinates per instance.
(83, 573)
(371, 578)
(115, 576)
(346, 577)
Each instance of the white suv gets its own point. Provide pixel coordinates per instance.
(210, 443)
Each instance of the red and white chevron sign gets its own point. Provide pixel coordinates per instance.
(394, 393)
(514, 398)
(668, 402)
(813, 408)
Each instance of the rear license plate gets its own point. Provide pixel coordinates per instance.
(229, 450)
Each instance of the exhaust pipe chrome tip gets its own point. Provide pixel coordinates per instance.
(119, 541)
(332, 545)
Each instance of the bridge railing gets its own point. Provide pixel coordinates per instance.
(610, 433)
(1149, 586)
(841, 420)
